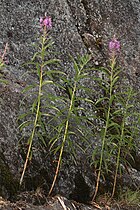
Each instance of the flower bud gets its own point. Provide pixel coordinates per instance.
(114, 45)
(46, 22)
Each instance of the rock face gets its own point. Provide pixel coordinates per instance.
(8, 141)
(79, 26)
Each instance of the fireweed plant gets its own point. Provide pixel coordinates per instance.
(118, 129)
(112, 76)
(64, 119)
(63, 111)
(124, 137)
(72, 116)
(43, 74)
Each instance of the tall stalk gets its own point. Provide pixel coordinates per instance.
(40, 74)
(106, 125)
(64, 138)
(78, 76)
(122, 136)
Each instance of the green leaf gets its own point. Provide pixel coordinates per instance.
(102, 69)
(113, 124)
(30, 63)
(116, 74)
(102, 83)
(112, 99)
(49, 45)
(23, 115)
(47, 82)
(105, 70)
(37, 54)
(117, 112)
(24, 124)
(82, 76)
(76, 68)
(56, 149)
(20, 139)
(38, 67)
(41, 138)
(71, 133)
(33, 108)
(130, 106)
(57, 137)
(29, 87)
(101, 99)
(51, 61)
(52, 142)
(115, 80)
(54, 72)
(56, 99)
(86, 89)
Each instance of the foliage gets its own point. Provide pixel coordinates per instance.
(64, 122)
(129, 197)
(44, 77)
(116, 117)
(64, 131)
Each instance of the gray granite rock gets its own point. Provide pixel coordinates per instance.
(77, 25)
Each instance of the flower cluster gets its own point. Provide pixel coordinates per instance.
(46, 22)
(114, 45)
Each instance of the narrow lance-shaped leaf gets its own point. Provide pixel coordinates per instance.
(24, 124)
(51, 61)
(101, 99)
(24, 115)
(45, 82)
(115, 80)
(112, 99)
(37, 54)
(50, 44)
(38, 67)
(41, 138)
(82, 76)
(33, 108)
(54, 72)
(29, 87)
(116, 74)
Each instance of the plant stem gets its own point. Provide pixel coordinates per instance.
(120, 145)
(105, 131)
(64, 138)
(34, 127)
(78, 72)
(37, 111)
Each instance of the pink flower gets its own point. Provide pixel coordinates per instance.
(114, 45)
(46, 21)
